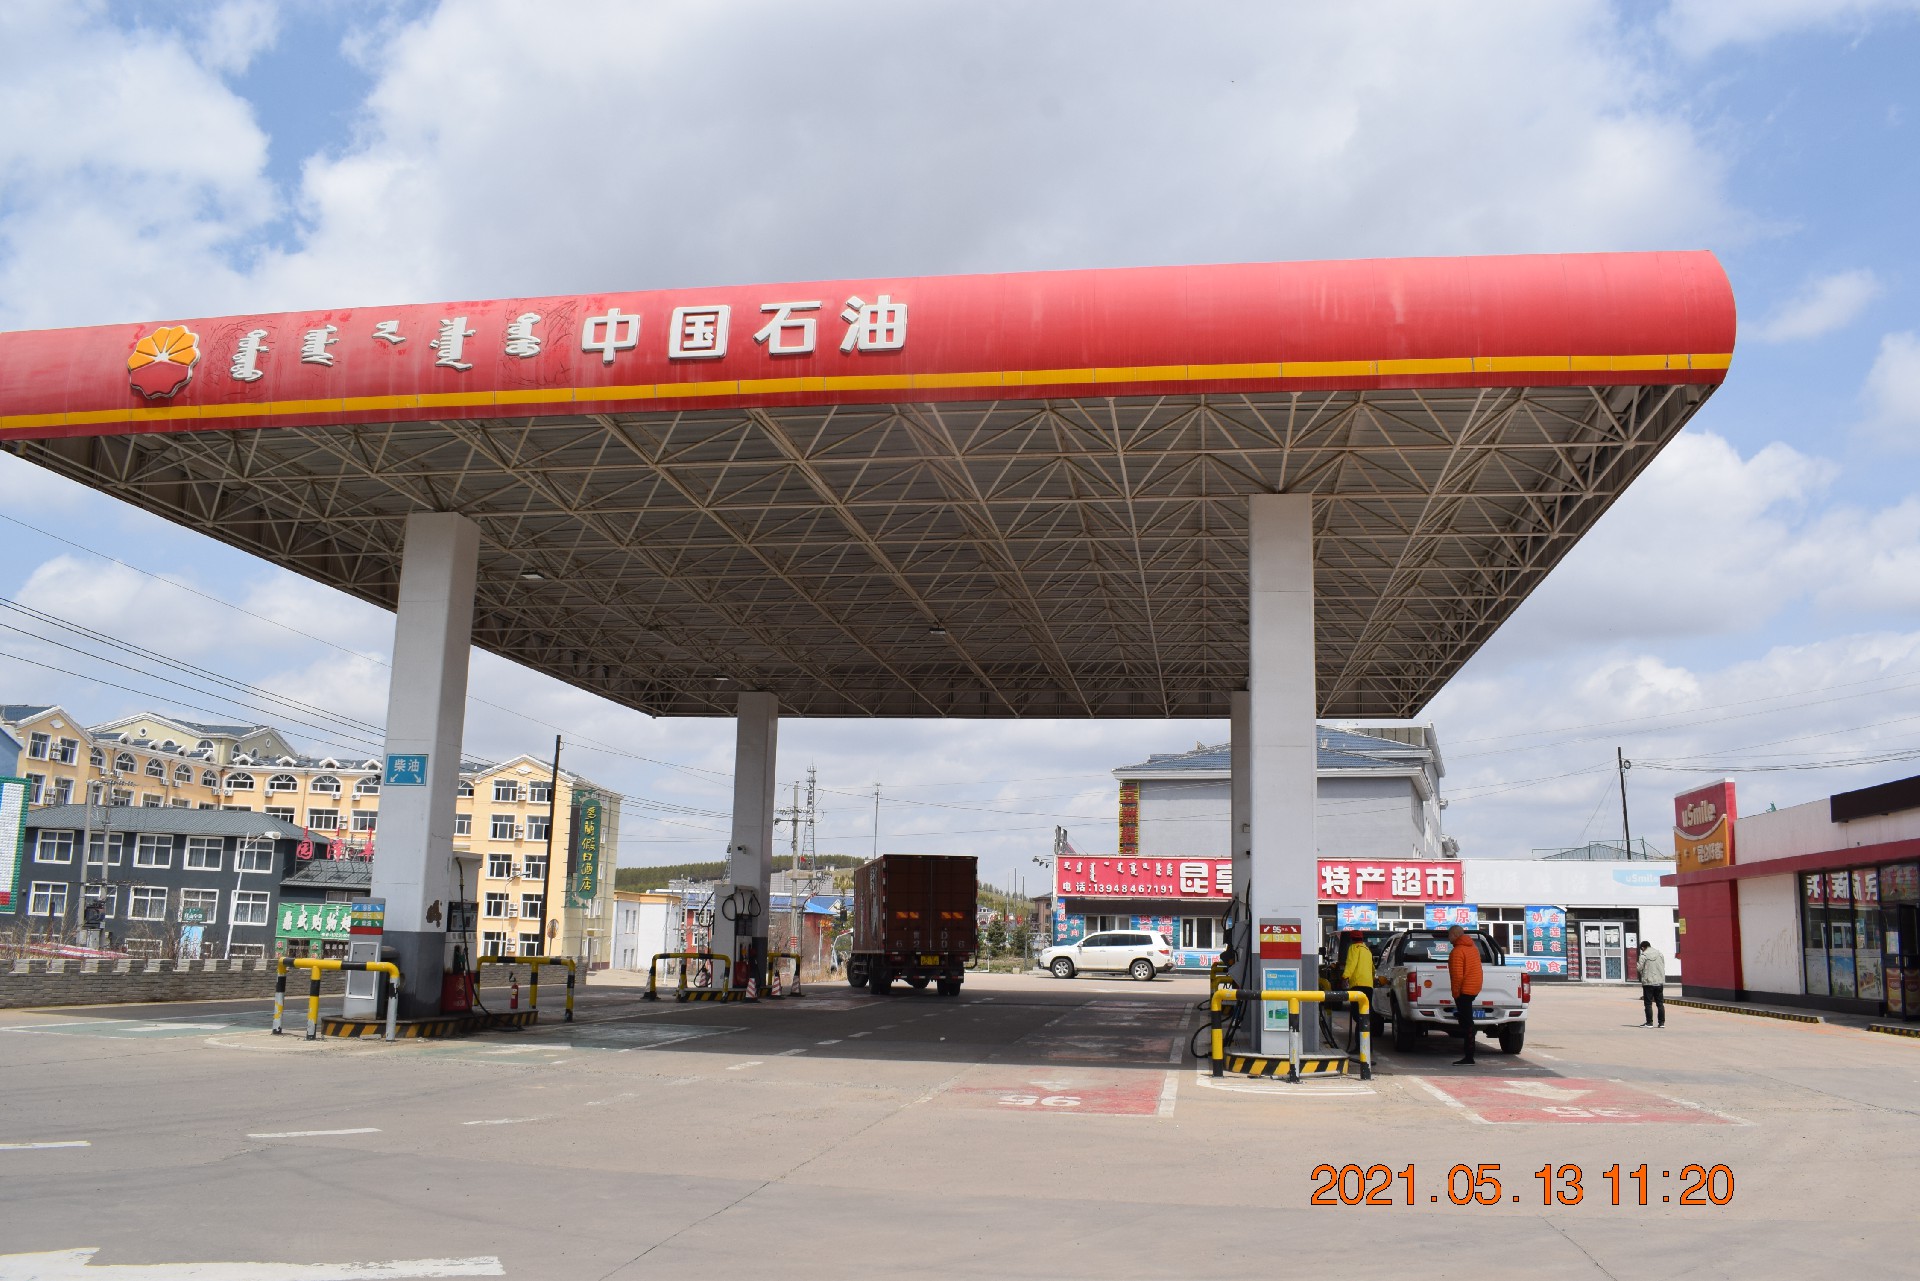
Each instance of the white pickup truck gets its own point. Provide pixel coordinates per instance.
(1411, 989)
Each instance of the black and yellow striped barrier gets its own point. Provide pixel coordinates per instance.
(1317, 1065)
(533, 964)
(314, 966)
(421, 1029)
(1274, 1065)
(705, 994)
(1894, 1029)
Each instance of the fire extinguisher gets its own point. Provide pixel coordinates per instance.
(513, 1000)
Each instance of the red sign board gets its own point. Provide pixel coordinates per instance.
(1279, 941)
(1189, 878)
(1703, 827)
(1391, 880)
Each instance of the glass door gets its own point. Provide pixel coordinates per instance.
(1900, 946)
(1603, 952)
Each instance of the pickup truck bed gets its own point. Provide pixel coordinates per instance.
(1412, 990)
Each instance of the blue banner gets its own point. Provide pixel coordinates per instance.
(1356, 916)
(1546, 940)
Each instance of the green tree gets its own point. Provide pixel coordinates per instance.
(994, 942)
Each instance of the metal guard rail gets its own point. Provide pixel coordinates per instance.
(315, 966)
(1356, 1001)
(653, 971)
(773, 974)
(533, 964)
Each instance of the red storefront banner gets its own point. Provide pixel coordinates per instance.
(1188, 878)
(1391, 881)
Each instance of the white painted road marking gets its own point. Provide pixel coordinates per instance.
(36, 1147)
(1167, 1093)
(507, 1120)
(313, 1134)
(749, 1063)
(74, 1265)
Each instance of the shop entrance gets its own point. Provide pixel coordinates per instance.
(1604, 950)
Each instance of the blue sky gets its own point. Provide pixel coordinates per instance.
(1753, 601)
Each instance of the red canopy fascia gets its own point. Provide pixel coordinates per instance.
(1535, 320)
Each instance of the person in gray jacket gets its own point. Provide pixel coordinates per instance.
(1653, 982)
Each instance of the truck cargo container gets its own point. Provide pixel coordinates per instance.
(916, 919)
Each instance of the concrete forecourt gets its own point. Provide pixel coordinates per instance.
(1032, 1128)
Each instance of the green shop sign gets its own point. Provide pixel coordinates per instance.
(314, 920)
(586, 834)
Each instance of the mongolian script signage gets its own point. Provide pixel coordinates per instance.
(1186, 878)
(586, 885)
(1703, 827)
(1391, 880)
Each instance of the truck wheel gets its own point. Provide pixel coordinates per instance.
(949, 987)
(1512, 1037)
(1062, 968)
(856, 974)
(918, 982)
(879, 980)
(1142, 970)
(1405, 1032)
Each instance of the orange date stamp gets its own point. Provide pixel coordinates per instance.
(1464, 1185)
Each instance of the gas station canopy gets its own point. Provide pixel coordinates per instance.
(1011, 495)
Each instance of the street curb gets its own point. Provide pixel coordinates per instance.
(1894, 1029)
(1744, 1009)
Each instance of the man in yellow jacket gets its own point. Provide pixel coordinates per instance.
(1357, 976)
(1463, 974)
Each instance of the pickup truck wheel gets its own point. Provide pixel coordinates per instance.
(1142, 970)
(1062, 968)
(1405, 1032)
(1512, 1037)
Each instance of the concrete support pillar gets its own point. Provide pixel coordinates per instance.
(1240, 843)
(1282, 730)
(746, 894)
(426, 713)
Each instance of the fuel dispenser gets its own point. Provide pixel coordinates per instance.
(1281, 970)
(457, 988)
(742, 908)
(366, 930)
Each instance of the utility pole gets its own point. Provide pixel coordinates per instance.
(876, 820)
(794, 883)
(546, 873)
(1626, 831)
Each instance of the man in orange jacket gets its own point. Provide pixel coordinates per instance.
(1463, 973)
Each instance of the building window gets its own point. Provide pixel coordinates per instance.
(54, 847)
(123, 763)
(248, 951)
(1101, 924)
(36, 788)
(463, 825)
(283, 783)
(499, 866)
(493, 943)
(540, 793)
(250, 907)
(325, 785)
(496, 905)
(530, 945)
(537, 827)
(367, 787)
(183, 776)
(325, 820)
(536, 866)
(103, 846)
(120, 796)
(254, 854)
(365, 820)
(62, 791)
(207, 901)
(1197, 932)
(1508, 927)
(48, 898)
(205, 853)
(505, 790)
(147, 903)
(502, 828)
(106, 896)
(279, 813)
(66, 751)
(204, 745)
(156, 768)
(153, 849)
(530, 905)
(38, 745)
(209, 779)
(151, 800)
(465, 789)
(240, 782)
(96, 758)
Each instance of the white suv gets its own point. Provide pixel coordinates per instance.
(1141, 953)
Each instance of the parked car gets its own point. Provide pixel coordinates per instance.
(1141, 953)
(1411, 989)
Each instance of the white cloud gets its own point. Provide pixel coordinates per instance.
(1698, 27)
(1824, 304)
(1892, 391)
(233, 34)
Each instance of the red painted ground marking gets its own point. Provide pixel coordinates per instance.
(1080, 1093)
(1531, 1101)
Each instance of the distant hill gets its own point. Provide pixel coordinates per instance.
(653, 878)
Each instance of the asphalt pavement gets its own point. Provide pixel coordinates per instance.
(1031, 1128)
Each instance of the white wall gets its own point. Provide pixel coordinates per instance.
(1809, 829)
(1569, 883)
(1353, 818)
(1184, 818)
(1770, 933)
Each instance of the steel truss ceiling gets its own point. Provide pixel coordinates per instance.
(1085, 558)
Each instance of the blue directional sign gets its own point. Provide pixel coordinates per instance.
(408, 769)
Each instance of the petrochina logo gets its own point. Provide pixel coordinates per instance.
(162, 362)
